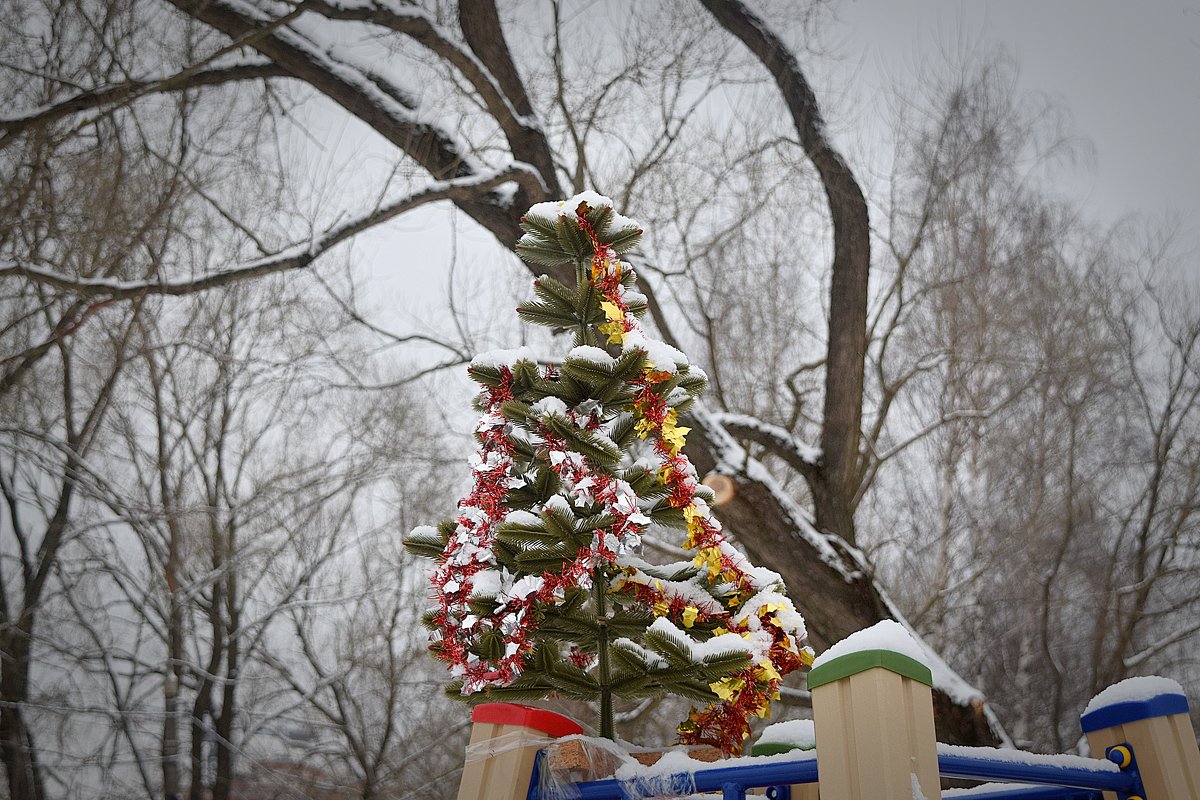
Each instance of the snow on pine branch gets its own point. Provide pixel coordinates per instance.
(296, 257)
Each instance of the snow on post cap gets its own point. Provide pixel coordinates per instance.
(1133, 699)
(885, 635)
(794, 734)
(886, 644)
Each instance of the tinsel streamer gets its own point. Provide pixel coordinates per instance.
(748, 692)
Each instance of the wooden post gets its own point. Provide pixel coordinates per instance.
(1151, 716)
(873, 711)
(505, 739)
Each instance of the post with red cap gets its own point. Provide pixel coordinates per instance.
(505, 740)
(1145, 720)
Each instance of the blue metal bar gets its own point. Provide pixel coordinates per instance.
(1028, 793)
(717, 779)
(1058, 782)
(955, 766)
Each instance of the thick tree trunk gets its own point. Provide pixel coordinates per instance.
(832, 585)
(836, 598)
(836, 484)
(16, 740)
(224, 724)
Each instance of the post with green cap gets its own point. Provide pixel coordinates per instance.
(1146, 720)
(873, 714)
(505, 740)
(788, 737)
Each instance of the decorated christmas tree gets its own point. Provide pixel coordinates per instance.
(540, 586)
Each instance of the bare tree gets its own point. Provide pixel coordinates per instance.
(514, 163)
(532, 102)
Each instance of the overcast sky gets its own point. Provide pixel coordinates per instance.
(1127, 70)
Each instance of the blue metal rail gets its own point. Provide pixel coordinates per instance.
(1125, 782)
(1056, 782)
(1023, 793)
(731, 781)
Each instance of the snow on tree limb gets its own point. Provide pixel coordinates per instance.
(420, 25)
(294, 258)
(341, 81)
(372, 98)
(801, 456)
(732, 458)
(502, 94)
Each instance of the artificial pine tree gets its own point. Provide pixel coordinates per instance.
(539, 585)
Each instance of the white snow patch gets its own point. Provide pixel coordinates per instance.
(424, 530)
(1021, 757)
(674, 763)
(560, 504)
(593, 355)
(550, 405)
(663, 356)
(522, 517)
(1132, 690)
(796, 732)
(885, 635)
(651, 659)
(987, 788)
(502, 358)
(630, 296)
(486, 583)
(784, 612)
(724, 643)
(917, 792)
(566, 208)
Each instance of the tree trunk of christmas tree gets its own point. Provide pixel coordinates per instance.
(599, 597)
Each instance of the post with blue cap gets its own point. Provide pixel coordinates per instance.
(1146, 719)
(873, 714)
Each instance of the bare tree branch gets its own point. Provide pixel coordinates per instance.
(804, 458)
(128, 91)
(370, 97)
(296, 258)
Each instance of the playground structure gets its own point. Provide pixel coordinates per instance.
(873, 718)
